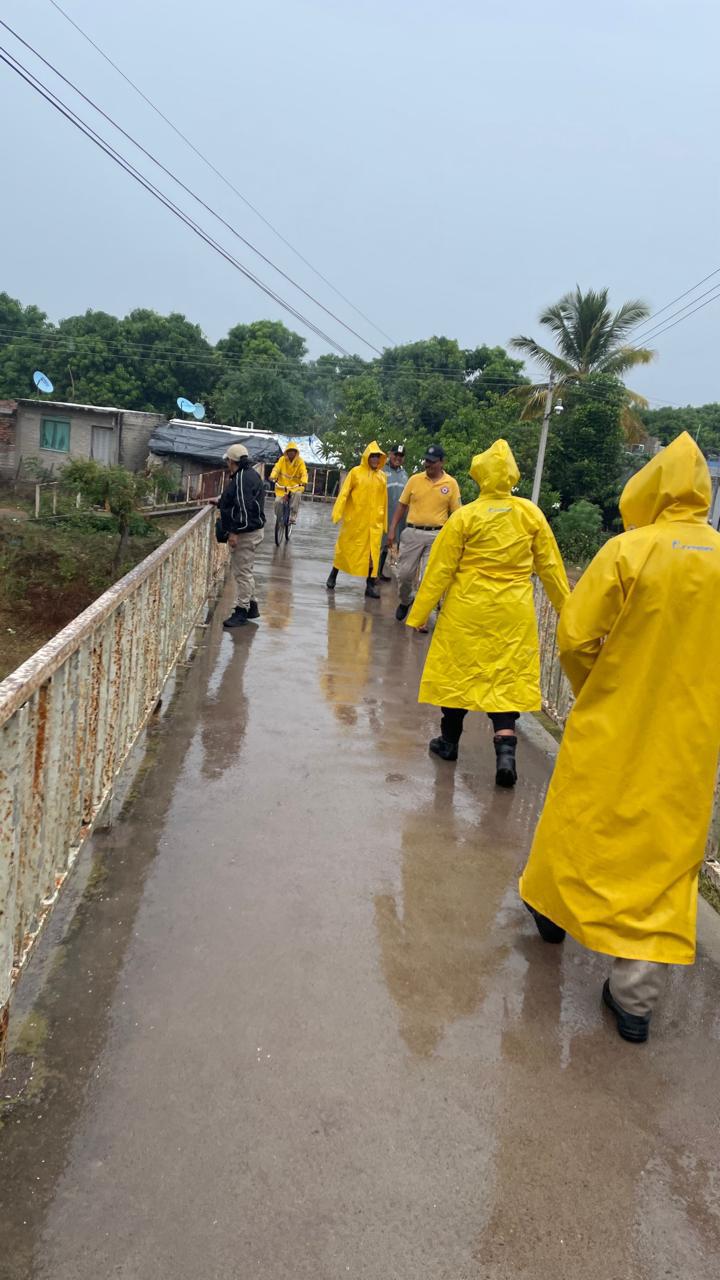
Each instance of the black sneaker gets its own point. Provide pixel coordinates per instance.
(631, 1026)
(384, 578)
(371, 591)
(253, 611)
(238, 618)
(332, 579)
(444, 749)
(549, 932)
(402, 612)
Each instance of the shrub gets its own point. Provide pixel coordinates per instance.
(579, 531)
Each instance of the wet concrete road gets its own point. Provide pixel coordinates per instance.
(299, 1027)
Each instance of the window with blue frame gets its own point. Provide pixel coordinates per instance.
(55, 435)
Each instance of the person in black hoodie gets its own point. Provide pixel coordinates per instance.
(242, 515)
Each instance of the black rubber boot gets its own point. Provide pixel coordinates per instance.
(332, 579)
(371, 590)
(383, 577)
(631, 1026)
(253, 611)
(444, 749)
(549, 932)
(402, 612)
(238, 618)
(505, 770)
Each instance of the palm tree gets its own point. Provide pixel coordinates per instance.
(590, 339)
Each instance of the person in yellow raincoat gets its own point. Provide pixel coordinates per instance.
(484, 652)
(290, 477)
(362, 506)
(620, 841)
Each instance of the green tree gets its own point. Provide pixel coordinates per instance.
(476, 427)
(121, 492)
(586, 452)
(702, 421)
(26, 344)
(266, 388)
(579, 531)
(363, 417)
(590, 339)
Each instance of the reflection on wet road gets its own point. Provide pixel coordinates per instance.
(299, 1027)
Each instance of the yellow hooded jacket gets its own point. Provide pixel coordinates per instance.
(289, 477)
(621, 838)
(362, 506)
(484, 651)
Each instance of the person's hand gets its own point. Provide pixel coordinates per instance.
(212, 502)
(232, 540)
(391, 541)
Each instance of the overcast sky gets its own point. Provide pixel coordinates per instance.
(451, 166)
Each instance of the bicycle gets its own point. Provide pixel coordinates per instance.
(283, 523)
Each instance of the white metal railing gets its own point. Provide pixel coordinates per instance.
(70, 716)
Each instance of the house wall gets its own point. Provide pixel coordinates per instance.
(7, 438)
(130, 430)
(136, 431)
(28, 434)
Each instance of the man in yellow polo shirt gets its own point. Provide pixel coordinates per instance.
(428, 500)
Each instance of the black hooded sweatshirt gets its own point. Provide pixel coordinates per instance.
(242, 501)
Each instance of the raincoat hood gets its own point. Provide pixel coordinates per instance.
(495, 470)
(373, 447)
(291, 445)
(675, 485)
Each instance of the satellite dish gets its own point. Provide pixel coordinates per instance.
(198, 411)
(186, 406)
(42, 382)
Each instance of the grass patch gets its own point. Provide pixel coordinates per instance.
(709, 891)
(51, 571)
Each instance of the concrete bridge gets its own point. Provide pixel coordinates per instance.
(287, 1019)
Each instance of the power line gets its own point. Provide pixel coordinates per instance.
(25, 74)
(664, 330)
(218, 173)
(188, 190)
(678, 299)
(660, 326)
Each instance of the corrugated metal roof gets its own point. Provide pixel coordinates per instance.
(311, 451)
(178, 439)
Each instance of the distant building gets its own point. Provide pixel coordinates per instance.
(53, 432)
(198, 450)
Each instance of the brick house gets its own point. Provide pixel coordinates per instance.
(53, 432)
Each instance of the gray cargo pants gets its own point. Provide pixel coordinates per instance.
(637, 984)
(242, 562)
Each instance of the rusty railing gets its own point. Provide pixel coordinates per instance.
(69, 718)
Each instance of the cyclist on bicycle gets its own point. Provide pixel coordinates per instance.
(290, 477)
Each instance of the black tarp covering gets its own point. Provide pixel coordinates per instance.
(209, 445)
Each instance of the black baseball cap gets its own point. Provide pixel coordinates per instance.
(434, 453)
(397, 448)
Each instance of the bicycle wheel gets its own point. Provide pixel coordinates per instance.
(278, 530)
(288, 525)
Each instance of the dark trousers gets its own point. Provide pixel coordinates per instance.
(451, 725)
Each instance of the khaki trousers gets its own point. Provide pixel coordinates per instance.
(637, 984)
(242, 562)
(415, 546)
(295, 500)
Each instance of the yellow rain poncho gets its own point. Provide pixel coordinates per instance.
(289, 477)
(620, 841)
(362, 506)
(484, 651)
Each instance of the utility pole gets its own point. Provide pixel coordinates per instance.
(543, 441)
